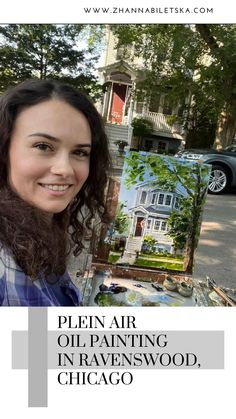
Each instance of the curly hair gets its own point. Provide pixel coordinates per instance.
(36, 246)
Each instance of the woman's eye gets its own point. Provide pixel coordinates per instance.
(43, 146)
(82, 153)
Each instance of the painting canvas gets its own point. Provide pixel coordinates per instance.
(158, 217)
(159, 212)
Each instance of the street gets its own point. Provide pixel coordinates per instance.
(216, 252)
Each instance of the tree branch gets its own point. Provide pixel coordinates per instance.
(206, 35)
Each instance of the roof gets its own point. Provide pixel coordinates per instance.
(151, 210)
(120, 65)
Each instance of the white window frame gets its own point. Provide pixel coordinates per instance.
(164, 199)
(176, 202)
(154, 225)
(140, 200)
(160, 227)
(149, 227)
(162, 223)
(160, 194)
(171, 199)
(154, 195)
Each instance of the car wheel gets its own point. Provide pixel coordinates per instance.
(219, 180)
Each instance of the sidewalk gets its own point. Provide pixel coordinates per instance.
(216, 252)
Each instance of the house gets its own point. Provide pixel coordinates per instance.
(149, 218)
(119, 75)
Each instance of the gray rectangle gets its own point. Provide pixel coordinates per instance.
(37, 350)
(140, 349)
(19, 349)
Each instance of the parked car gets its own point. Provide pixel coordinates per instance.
(223, 163)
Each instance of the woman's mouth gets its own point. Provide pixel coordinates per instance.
(55, 187)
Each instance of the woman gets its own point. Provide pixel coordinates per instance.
(53, 170)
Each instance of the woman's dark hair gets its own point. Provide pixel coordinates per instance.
(90, 197)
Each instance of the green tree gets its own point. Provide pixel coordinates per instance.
(179, 223)
(169, 174)
(191, 64)
(121, 222)
(141, 128)
(48, 51)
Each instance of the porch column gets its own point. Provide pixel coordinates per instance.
(110, 102)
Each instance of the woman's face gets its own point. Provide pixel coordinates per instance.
(49, 155)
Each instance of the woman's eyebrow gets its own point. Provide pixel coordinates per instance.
(44, 135)
(52, 138)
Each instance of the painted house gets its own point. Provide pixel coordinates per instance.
(149, 217)
(119, 74)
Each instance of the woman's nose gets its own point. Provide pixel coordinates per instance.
(62, 166)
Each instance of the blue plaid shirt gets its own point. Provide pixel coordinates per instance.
(17, 289)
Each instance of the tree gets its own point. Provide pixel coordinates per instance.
(121, 222)
(141, 128)
(191, 64)
(169, 174)
(47, 51)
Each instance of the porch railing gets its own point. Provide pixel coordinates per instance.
(159, 121)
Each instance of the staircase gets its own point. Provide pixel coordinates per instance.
(115, 133)
(133, 245)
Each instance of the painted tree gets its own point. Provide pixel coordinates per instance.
(121, 222)
(194, 65)
(48, 51)
(190, 180)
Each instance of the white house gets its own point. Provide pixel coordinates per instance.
(149, 217)
(119, 75)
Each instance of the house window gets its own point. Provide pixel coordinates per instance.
(157, 225)
(143, 197)
(177, 202)
(168, 200)
(164, 199)
(160, 225)
(163, 226)
(154, 195)
(148, 226)
(154, 103)
(167, 108)
(161, 199)
(148, 145)
(162, 147)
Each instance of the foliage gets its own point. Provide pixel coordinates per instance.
(47, 51)
(141, 127)
(179, 223)
(170, 174)
(161, 255)
(121, 222)
(150, 242)
(191, 64)
(158, 264)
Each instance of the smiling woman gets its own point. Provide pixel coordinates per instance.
(53, 156)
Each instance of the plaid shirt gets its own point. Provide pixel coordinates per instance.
(17, 289)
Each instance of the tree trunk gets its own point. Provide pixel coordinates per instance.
(225, 131)
(112, 196)
(194, 232)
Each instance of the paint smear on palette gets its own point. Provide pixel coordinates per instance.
(122, 293)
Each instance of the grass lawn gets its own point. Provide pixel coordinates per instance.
(158, 264)
(114, 258)
(153, 256)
